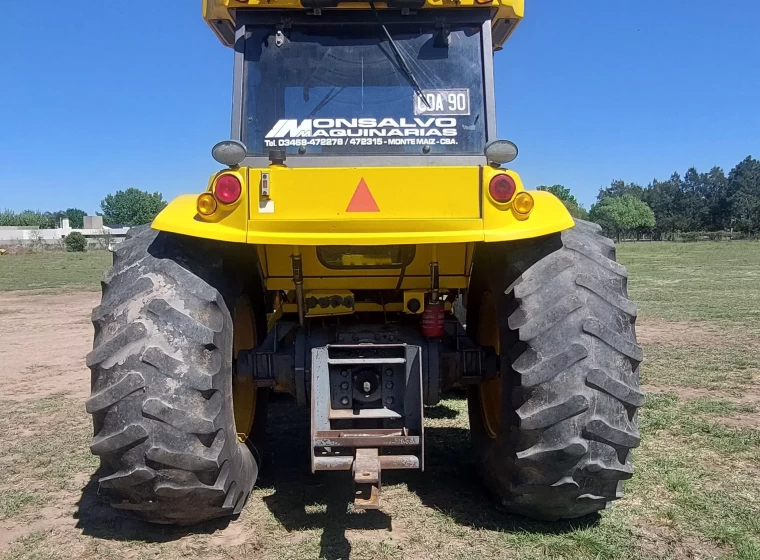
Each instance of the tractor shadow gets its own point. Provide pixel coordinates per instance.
(305, 501)
(300, 500)
(96, 518)
(450, 484)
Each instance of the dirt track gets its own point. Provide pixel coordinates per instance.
(45, 338)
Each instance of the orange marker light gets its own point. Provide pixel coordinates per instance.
(523, 203)
(206, 204)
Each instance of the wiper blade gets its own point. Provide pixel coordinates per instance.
(332, 94)
(400, 60)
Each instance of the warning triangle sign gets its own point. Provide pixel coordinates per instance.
(362, 201)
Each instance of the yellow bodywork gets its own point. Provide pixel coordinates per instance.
(442, 211)
(220, 14)
(447, 207)
(416, 205)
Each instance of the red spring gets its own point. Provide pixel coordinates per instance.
(432, 320)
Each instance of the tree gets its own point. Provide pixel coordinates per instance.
(76, 217)
(718, 205)
(620, 188)
(42, 220)
(131, 207)
(744, 195)
(568, 199)
(663, 197)
(26, 218)
(622, 214)
(76, 242)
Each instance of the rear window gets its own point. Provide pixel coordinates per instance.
(325, 90)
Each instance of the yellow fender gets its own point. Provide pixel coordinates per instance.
(498, 222)
(229, 223)
(502, 223)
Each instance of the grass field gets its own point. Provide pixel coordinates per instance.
(34, 271)
(695, 492)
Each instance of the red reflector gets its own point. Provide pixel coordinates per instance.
(502, 188)
(227, 189)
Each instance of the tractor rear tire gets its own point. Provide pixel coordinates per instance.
(161, 398)
(567, 395)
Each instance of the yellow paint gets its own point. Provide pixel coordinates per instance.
(360, 307)
(317, 194)
(422, 206)
(502, 223)
(453, 270)
(224, 10)
(228, 223)
(419, 296)
(243, 389)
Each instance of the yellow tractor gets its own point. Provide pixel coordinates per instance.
(364, 248)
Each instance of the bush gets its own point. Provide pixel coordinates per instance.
(76, 243)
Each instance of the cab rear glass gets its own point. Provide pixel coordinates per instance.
(338, 89)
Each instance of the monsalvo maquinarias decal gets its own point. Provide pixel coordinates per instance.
(363, 132)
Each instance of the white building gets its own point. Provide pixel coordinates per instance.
(96, 233)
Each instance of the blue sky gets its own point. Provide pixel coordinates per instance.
(134, 94)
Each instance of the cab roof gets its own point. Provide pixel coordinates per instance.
(221, 15)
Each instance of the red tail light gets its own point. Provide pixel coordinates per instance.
(227, 189)
(502, 188)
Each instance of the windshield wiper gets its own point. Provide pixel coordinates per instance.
(400, 60)
(332, 94)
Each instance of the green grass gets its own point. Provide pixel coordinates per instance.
(13, 502)
(727, 366)
(35, 271)
(698, 281)
(695, 492)
(35, 546)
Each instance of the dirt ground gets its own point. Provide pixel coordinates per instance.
(52, 508)
(45, 339)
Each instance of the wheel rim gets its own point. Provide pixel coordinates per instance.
(243, 389)
(490, 391)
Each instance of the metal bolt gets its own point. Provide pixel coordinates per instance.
(367, 387)
(389, 385)
(389, 373)
(389, 400)
(344, 401)
(344, 373)
(344, 385)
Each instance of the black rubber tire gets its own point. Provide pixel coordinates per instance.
(161, 398)
(569, 373)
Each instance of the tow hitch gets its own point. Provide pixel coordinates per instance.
(366, 413)
(366, 388)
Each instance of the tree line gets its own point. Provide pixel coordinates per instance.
(42, 220)
(131, 207)
(696, 202)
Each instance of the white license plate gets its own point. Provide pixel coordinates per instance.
(443, 102)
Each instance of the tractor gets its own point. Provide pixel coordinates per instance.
(364, 248)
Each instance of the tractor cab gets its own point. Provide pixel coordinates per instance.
(402, 83)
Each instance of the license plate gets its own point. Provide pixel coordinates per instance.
(443, 102)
